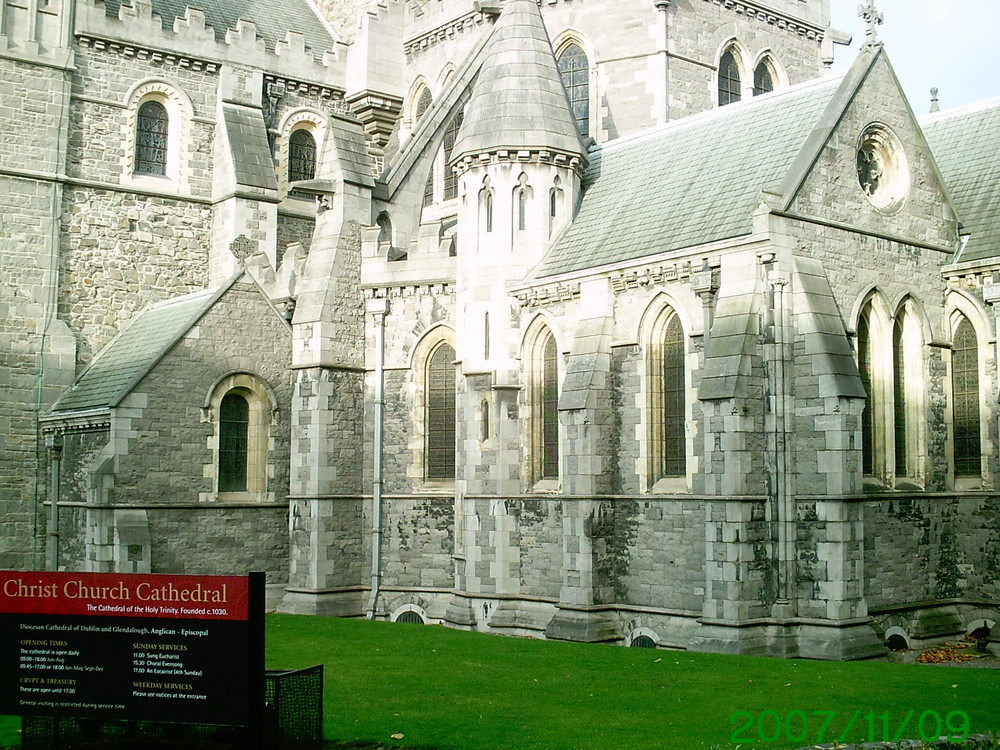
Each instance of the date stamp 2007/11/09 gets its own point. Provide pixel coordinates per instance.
(859, 726)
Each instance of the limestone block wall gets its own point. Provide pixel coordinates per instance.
(241, 333)
(220, 540)
(654, 553)
(919, 549)
(539, 545)
(698, 32)
(418, 541)
(25, 287)
(122, 252)
(103, 114)
(340, 526)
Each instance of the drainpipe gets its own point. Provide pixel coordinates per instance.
(378, 308)
(54, 443)
(661, 7)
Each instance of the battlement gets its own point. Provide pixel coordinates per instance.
(137, 30)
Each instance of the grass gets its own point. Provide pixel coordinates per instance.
(467, 691)
(439, 688)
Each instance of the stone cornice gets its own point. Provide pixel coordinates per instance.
(547, 294)
(86, 421)
(444, 32)
(407, 289)
(774, 18)
(147, 53)
(521, 156)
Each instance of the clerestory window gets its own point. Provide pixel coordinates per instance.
(151, 138)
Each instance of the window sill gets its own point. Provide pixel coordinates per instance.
(967, 483)
(670, 486)
(546, 487)
(437, 487)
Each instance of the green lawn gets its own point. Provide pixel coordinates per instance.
(452, 690)
(467, 691)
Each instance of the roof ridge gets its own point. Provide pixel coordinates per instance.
(963, 109)
(722, 112)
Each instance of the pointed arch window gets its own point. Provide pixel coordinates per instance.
(865, 371)
(673, 462)
(151, 138)
(423, 103)
(666, 380)
(301, 156)
(965, 399)
(440, 417)
(763, 78)
(899, 410)
(730, 85)
(450, 136)
(574, 69)
(549, 410)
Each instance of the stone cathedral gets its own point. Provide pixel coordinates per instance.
(599, 321)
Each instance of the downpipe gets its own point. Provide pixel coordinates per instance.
(378, 308)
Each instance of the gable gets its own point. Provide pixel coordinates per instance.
(871, 120)
(151, 336)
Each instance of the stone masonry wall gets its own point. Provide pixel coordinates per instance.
(418, 541)
(698, 32)
(100, 116)
(122, 252)
(241, 333)
(220, 541)
(919, 549)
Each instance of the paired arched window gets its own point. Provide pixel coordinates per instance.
(763, 78)
(439, 454)
(965, 399)
(574, 69)
(151, 138)
(450, 136)
(301, 155)
(890, 362)
(730, 83)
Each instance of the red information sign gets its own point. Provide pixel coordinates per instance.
(133, 595)
(151, 647)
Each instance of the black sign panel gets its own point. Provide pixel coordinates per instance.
(155, 648)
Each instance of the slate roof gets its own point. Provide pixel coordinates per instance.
(273, 18)
(518, 101)
(133, 352)
(966, 146)
(248, 144)
(689, 182)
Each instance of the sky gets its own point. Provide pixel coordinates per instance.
(950, 44)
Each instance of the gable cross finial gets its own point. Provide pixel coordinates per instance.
(873, 18)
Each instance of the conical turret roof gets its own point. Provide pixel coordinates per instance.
(518, 101)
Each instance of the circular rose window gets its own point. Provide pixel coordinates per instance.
(882, 170)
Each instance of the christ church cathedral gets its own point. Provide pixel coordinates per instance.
(616, 321)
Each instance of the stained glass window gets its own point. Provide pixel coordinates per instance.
(965, 397)
(301, 156)
(234, 433)
(151, 139)
(574, 68)
(672, 386)
(763, 80)
(440, 423)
